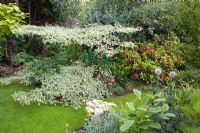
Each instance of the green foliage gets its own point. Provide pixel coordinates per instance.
(158, 15)
(22, 58)
(10, 18)
(74, 86)
(191, 73)
(37, 67)
(190, 23)
(173, 124)
(116, 90)
(69, 54)
(190, 107)
(55, 9)
(89, 57)
(100, 59)
(182, 97)
(188, 129)
(136, 116)
(107, 12)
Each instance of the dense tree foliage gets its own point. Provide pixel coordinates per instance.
(10, 18)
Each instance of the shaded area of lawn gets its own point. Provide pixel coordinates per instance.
(15, 118)
(35, 119)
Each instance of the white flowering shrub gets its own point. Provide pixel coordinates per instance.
(97, 107)
(59, 36)
(73, 86)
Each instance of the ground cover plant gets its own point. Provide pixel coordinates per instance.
(70, 88)
(99, 66)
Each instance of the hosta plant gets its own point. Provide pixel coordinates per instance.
(136, 116)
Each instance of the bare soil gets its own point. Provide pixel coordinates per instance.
(9, 70)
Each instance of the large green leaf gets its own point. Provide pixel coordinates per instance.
(131, 106)
(16, 8)
(165, 107)
(10, 18)
(159, 100)
(137, 93)
(150, 124)
(127, 124)
(166, 116)
(155, 109)
(155, 125)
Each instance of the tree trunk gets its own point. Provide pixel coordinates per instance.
(7, 54)
(29, 10)
(10, 49)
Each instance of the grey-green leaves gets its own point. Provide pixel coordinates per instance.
(137, 93)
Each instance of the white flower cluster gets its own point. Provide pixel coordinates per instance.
(158, 71)
(98, 107)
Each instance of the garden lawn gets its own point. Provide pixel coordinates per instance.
(15, 118)
(35, 119)
(121, 99)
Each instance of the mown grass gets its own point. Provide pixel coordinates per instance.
(121, 99)
(15, 118)
(35, 119)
